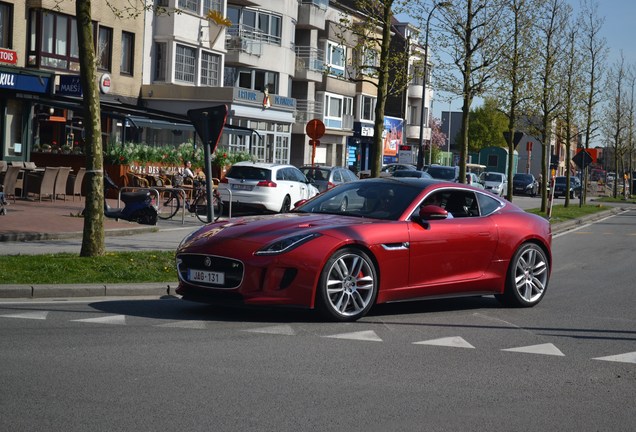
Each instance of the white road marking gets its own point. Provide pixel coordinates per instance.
(623, 358)
(453, 341)
(40, 315)
(185, 324)
(546, 349)
(111, 319)
(280, 329)
(367, 335)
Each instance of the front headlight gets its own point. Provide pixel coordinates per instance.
(286, 244)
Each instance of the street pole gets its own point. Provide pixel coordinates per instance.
(420, 155)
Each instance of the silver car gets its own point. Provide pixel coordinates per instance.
(326, 177)
(495, 182)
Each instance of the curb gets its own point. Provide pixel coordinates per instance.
(35, 292)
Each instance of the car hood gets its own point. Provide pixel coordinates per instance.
(261, 230)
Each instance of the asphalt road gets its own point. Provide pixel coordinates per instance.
(568, 364)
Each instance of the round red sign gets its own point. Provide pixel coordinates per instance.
(315, 129)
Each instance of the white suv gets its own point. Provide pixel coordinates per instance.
(273, 187)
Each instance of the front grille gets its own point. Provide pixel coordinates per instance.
(232, 269)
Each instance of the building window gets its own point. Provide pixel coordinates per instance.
(185, 64)
(210, 69)
(127, 53)
(255, 24)
(57, 35)
(336, 59)
(191, 5)
(252, 79)
(160, 61)
(6, 18)
(367, 108)
(104, 48)
(337, 107)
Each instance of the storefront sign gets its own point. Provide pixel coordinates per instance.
(23, 82)
(8, 56)
(274, 101)
(70, 85)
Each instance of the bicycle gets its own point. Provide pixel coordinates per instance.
(171, 202)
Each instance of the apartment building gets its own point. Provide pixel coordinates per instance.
(40, 93)
(276, 64)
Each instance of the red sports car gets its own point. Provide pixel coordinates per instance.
(372, 241)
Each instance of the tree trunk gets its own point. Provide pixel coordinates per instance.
(93, 235)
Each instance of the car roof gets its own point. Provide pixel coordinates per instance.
(263, 164)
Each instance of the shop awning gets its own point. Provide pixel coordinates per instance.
(157, 124)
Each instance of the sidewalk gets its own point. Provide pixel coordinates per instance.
(46, 220)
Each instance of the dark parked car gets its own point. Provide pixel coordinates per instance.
(411, 173)
(560, 187)
(326, 177)
(442, 172)
(525, 184)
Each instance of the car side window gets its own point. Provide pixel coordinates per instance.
(487, 204)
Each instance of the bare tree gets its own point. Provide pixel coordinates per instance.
(572, 96)
(470, 42)
(617, 115)
(594, 52)
(515, 70)
(93, 235)
(368, 24)
(550, 24)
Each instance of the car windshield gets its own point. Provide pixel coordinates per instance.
(315, 173)
(559, 180)
(365, 198)
(493, 177)
(523, 177)
(442, 173)
(248, 173)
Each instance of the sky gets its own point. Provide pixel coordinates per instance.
(619, 30)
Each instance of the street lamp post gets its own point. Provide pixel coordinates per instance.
(420, 156)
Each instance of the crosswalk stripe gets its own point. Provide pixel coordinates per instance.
(545, 349)
(39, 315)
(280, 329)
(367, 335)
(622, 358)
(185, 324)
(454, 341)
(111, 319)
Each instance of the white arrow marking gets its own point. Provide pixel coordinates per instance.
(623, 358)
(368, 335)
(281, 329)
(113, 319)
(185, 324)
(455, 342)
(28, 315)
(546, 349)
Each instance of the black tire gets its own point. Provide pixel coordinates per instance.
(169, 204)
(348, 286)
(286, 207)
(344, 204)
(146, 216)
(200, 208)
(527, 278)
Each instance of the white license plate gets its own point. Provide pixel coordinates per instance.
(217, 278)
(242, 187)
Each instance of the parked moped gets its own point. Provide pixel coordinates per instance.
(138, 206)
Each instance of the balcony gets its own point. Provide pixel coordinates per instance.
(413, 132)
(306, 110)
(309, 64)
(311, 14)
(242, 44)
